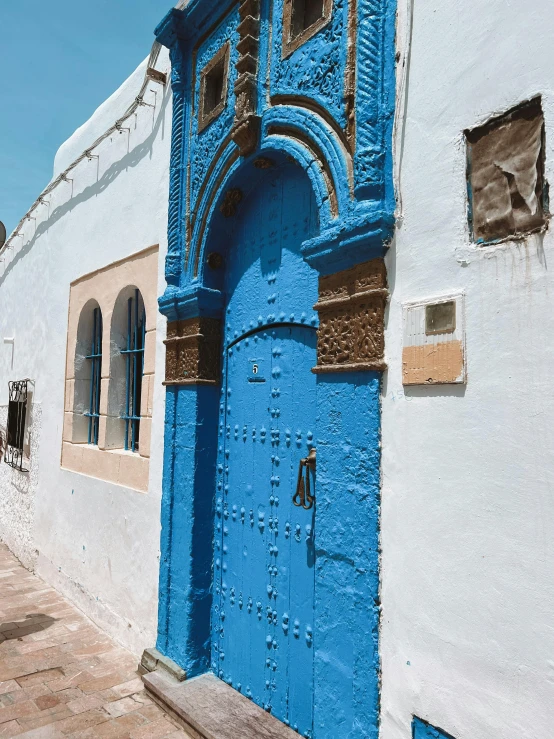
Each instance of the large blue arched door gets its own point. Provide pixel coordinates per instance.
(264, 559)
(265, 551)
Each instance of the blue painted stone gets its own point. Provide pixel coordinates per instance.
(327, 204)
(423, 730)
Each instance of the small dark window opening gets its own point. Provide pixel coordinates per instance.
(440, 318)
(95, 359)
(508, 193)
(17, 417)
(213, 87)
(214, 83)
(304, 14)
(134, 354)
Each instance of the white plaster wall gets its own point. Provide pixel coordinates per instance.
(468, 493)
(96, 542)
(18, 492)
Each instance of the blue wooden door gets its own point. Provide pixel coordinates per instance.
(265, 553)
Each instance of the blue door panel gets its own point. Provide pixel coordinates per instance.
(263, 607)
(265, 553)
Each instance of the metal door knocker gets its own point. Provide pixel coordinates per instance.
(303, 497)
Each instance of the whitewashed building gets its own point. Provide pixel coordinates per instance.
(467, 510)
(432, 598)
(86, 517)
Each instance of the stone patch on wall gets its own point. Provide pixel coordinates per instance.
(351, 309)
(506, 174)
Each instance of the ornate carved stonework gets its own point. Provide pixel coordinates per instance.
(351, 310)
(246, 128)
(264, 163)
(193, 352)
(229, 205)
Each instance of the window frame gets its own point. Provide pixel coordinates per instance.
(14, 453)
(291, 44)
(222, 55)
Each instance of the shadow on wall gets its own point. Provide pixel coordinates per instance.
(32, 623)
(131, 159)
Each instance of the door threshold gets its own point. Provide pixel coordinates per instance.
(208, 708)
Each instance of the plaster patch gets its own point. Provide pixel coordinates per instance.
(506, 174)
(433, 363)
(434, 341)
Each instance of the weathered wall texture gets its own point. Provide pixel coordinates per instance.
(96, 542)
(467, 500)
(18, 492)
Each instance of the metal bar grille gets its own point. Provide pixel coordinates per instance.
(95, 358)
(17, 416)
(134, 353)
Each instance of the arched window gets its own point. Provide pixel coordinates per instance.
(128, 336)
(88, 375)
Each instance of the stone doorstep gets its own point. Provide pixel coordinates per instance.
(209, 709)
(153, 660)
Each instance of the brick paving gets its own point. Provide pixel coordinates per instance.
(60, 676)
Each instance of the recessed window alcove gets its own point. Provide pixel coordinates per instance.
(302, 19)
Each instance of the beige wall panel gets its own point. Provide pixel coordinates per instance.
(72, 456)
(104, 286)
(150, 353)
(433, 363)
(145, 437)
(68, 426)
(133, 472)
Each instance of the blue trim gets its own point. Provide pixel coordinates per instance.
(423, 730)
(187, 526)
(347, 608)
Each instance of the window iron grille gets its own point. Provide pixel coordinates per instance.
(17, 417)
(95, 359)
(134, 353)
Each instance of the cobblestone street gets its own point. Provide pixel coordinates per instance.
(60, 676)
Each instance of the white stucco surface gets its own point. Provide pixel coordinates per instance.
(18, 492)
(96, 542)
(468, 503)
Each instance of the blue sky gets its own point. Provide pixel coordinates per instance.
(59, 60)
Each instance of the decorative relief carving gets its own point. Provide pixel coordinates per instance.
(193, 352)
(370, 99)
(351, 311)
(316, 69)
(246, 128)
(229, 205)
(264, 163)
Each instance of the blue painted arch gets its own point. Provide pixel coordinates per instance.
(295, 132)
(232, 171)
